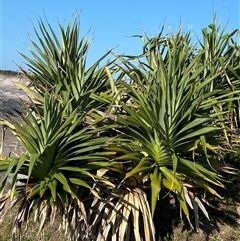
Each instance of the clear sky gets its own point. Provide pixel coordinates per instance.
(113, 22)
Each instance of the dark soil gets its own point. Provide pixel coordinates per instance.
(224, 223)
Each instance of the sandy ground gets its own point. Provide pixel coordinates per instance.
(7, 85)
(8, 80)
(10, 103)
(11, 95)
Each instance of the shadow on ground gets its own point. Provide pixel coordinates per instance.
(224, 223)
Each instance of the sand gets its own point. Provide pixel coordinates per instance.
(11, 96)
(10, 104)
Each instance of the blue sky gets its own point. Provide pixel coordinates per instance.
(112, 23)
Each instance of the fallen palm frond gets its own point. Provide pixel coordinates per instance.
(123, 216)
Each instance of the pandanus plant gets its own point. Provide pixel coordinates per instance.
(220, 53)
(65, 168)
(173, 127)
(96, 138)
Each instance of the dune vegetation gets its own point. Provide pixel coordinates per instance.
(106, 145)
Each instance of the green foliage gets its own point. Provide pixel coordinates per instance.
(95, 138)
(173, 121)
(9, 72)
(62, 66)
